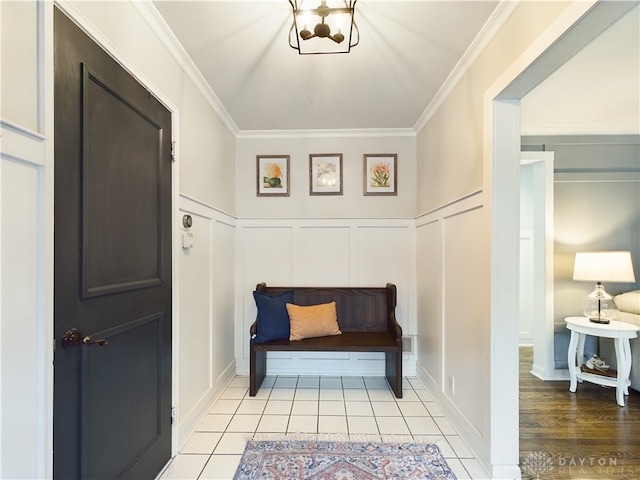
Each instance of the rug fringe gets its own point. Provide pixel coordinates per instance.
(345, 437)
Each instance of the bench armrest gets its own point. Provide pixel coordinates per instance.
(392, 324)
(253, 330)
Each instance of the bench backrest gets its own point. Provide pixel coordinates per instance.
(358, 309)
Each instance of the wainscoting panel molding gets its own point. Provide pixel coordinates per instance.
(325, 252)
(26, 328)
(206, 284)
(454, 305)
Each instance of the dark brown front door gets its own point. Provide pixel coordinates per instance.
(112, 306)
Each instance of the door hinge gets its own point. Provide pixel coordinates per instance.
(173, 150)
(174, 416)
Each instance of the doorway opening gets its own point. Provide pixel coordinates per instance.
(503, 175)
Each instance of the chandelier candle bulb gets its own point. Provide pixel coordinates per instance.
(330, 20)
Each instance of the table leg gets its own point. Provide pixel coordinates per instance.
(582, 337)
(626, 350)
(623, 359)
(571, 361)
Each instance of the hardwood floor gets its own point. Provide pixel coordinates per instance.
(580, 435)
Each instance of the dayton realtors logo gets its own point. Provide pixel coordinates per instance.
(539, 464)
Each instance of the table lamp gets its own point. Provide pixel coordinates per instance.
(599, 306)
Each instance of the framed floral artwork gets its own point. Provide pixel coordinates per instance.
(272, 175)
(325, 174)
(380, 174)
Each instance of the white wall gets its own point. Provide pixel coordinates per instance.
(328, 252)
(595, 92)
(206, 293)
(205, 148)
(455, 182)
(26, 328)
(453, 194)
(336, 240)
(352, 203)
(25, 353)
(205, 144)
(19, 48)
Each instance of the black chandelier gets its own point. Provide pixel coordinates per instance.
(323, 28)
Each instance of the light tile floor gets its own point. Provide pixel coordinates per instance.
(355, 408)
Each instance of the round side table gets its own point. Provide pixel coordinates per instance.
(621, 333)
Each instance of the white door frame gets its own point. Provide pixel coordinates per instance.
(580, 23)
(543, 323)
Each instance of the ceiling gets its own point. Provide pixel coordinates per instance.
(406, 52)
(595, 92)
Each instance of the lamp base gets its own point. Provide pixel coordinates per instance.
(599, 306)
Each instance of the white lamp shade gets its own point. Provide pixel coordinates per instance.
(604, 267)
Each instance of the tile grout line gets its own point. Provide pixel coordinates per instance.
(297, 388)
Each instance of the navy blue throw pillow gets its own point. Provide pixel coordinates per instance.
(273, 319)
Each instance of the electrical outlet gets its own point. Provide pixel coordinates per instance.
(452, 384)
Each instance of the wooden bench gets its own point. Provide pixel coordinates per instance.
(366, 317)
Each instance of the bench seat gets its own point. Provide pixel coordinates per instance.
(348, 341)
(366, 317)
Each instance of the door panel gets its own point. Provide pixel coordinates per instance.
(112, 267)
(135, 348)
(120, 245)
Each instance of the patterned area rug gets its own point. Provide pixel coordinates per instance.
(314, 460)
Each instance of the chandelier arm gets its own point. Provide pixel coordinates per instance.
(293, 27)
(322, 29)
(354, 28)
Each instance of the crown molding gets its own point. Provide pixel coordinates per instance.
(152, 16)
(498, 18)
(337, 133)
(579, 130)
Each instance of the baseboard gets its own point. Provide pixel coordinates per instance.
(557, 374)
(506, 472)
(345, 364)
(187, 423)
(455, 416)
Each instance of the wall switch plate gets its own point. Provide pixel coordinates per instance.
(187, 240)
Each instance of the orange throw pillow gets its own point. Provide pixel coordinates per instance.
(312, 321)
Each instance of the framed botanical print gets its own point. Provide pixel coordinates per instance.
(325, 174)
(272, 175)
(380, 174)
